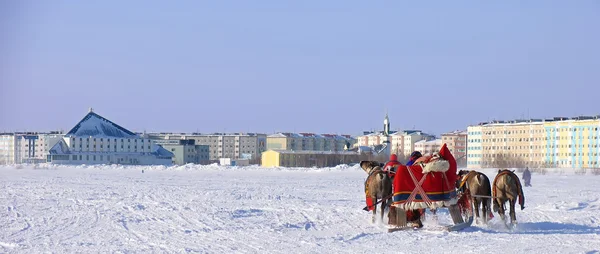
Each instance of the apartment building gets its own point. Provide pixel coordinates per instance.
(26, 147)
(186, 151)
(555, 142)
(456, 142)
(309, 141)
(428, 147)
(474, 146)
(223, 145)
(572, 142)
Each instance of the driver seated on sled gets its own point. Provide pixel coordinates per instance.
(389, 166)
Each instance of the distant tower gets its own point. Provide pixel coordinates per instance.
(91, 110)
(386, 125)
(386, 133)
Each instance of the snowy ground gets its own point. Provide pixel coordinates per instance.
(211, 209)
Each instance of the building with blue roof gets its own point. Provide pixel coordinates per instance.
(97, 140)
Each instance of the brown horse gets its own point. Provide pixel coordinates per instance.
(507, 187)
(478, 185)
(378, 185)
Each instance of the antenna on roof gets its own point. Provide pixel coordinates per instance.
(91, 109)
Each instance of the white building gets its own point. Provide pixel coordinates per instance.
(96, 140)
(223, 145)
(411, 137)
(428, 147)
(26, 147)
(403, 142)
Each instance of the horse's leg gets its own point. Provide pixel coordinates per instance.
(513, 216)
(374, 209)
(383, 203)
(501, 209)
(485, 209)
(476, 202)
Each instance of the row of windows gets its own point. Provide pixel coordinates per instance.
(527, 155)
(135, 140)
(532, 139)
(563, 129)
(562, 163)
(559, 129)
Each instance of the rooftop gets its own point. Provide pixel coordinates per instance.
(538, 120)
(94, 125)
(456, 132)
(314, 152)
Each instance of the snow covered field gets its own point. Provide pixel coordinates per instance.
(212, 209)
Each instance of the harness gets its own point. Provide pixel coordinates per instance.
(373, 172)
(517, 182)
(463, 181)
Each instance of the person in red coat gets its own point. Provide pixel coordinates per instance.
(389, 166)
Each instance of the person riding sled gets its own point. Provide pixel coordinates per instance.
(389, 166)
(414, 156)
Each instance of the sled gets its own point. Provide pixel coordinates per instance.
(429, 184)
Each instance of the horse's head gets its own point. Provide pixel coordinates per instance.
(367, 166)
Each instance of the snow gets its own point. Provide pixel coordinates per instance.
(215, 209)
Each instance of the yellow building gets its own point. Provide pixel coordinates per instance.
(556, 142)
(285, 158)
(573, 143)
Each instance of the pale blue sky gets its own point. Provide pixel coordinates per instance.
(305, 66)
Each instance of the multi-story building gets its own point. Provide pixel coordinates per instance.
(97, 140)
(428, 147)
(456, 142)
(186, 151)
(372, 138)
(7, 148)
(224, 145)
(309, 142)
(572, 142)
(285, 141)
(556, 142)
(409, 138)
(474, 146)
(26, 147)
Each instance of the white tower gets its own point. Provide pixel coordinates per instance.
(386, 125)
(386, 134)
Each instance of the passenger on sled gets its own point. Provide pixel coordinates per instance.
(389, 166)
(414, 156)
